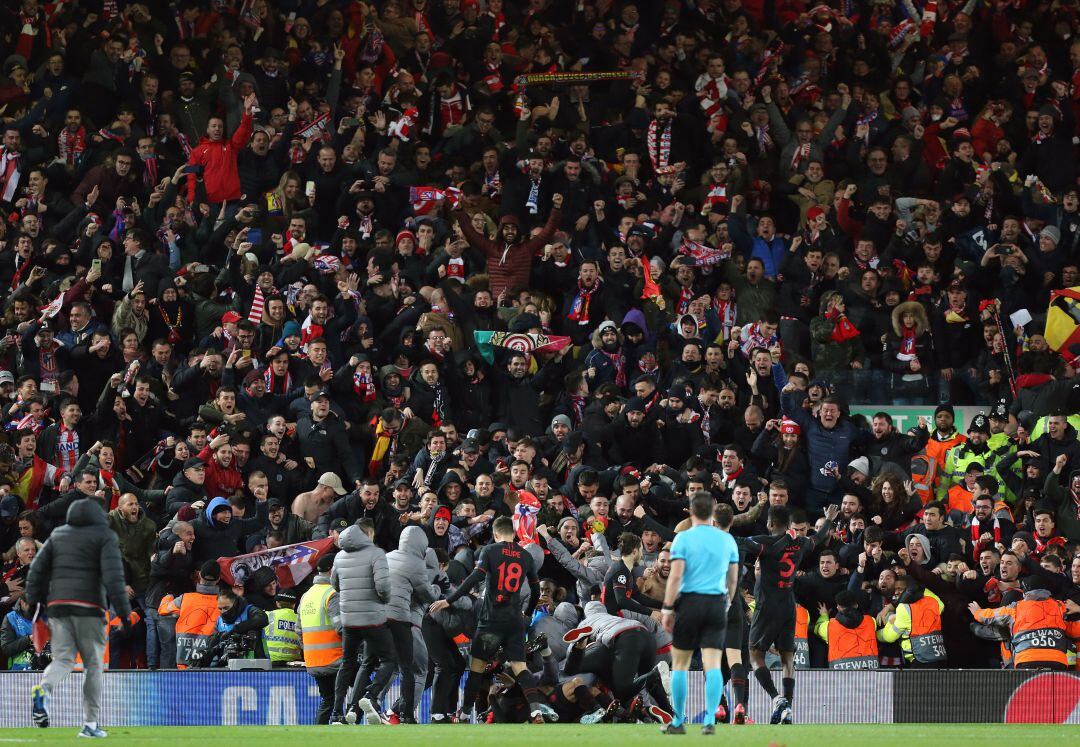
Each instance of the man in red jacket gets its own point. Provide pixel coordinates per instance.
(217, 157)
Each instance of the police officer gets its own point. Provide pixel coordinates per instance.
(281, 637)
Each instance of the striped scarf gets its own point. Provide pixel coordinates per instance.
(659, 144)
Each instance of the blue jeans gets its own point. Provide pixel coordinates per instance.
(160, 640)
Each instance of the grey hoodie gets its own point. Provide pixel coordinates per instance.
(362, 579)
(555, 626)
(410, 578)
(925, 542)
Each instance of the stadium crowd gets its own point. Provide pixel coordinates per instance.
(429, 277)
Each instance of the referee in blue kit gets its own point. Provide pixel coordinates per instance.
(695, 607)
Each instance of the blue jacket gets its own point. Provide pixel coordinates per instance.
(823, 444)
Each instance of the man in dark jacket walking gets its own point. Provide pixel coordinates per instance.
(77, 574)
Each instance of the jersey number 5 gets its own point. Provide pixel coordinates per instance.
(509, 577)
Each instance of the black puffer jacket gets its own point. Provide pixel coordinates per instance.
(79, 571)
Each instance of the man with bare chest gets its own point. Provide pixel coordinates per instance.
(315, 502)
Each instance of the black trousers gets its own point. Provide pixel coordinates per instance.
(325, 683)
(401, 633)
(447, 663)
(378, 648)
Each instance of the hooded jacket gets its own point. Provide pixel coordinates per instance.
(411, 589)
(555, 626)
(79, 571)
(215, 539)
(362, 579)
(508, 264)
(922, 347)
(184, 491)
(828, 354)
(607, 627)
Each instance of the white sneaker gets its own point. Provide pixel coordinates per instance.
(371, 714)
(93, 732)
(665, 677)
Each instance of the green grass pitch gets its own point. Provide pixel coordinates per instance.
(503, 735)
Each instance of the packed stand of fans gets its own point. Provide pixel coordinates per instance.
(276, 269)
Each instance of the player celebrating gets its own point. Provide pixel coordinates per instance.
(695, 607)
(503, 566)
(773, 624)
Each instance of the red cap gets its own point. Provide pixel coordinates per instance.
(230, 316)
(790, 426)
(814, 212)
(443, 513)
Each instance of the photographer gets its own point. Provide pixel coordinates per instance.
(15, 643)
(239, 630)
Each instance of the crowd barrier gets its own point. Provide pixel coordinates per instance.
(289, 697)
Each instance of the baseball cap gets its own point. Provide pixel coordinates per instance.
(194, 463)
(470, 446)
(6, 377)
(320, 394)
(339, 524)
(330, 480)
(230, 317)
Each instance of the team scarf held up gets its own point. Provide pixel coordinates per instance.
(276, 384)
(843, 329)
(525, 522)
(363, 385)
(658, 141)
(704, 254)
(385, 444)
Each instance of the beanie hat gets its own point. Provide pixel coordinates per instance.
(1051, 232)
(790, 426)
(814, 213)
(404, 234)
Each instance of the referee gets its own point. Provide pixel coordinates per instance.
(695, 607)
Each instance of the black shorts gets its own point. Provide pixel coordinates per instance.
(492, 635)
(736, 624)
(700, 621)
(772, 627)
(567, 710)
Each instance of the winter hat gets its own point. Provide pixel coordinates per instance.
(1027, 537)
(814, 213)
(1051, 232)
(635, 404)
(790, 426)
(945, 408)
(186, 513)
(404, 234)
(443, 513)
(290, 329)
(561, 419)
(524, 322)
(606, 325)
(860, 464)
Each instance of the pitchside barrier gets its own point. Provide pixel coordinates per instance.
(279, 697)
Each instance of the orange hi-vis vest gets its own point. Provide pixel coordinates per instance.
(959, 499)
(196, 618)
(853, 648)
(927, 643)
(1040, 633)
(322, 644)
(112, 622)
(802, 644)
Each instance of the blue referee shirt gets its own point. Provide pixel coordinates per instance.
(707, 553)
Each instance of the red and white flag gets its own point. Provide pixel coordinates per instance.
(426, 199)
(52, 308)
(291, 563)
(257, 303)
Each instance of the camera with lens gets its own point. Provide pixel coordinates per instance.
(223, 647)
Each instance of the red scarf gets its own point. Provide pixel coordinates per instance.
(659, 147)
(686, 295)
(975, 533)
(577, 409)
(579, 309)
(618, 360)
(276, 384)
(907, 341)
(70, 145)
(363, 386)
(108, 483)
(843, 329)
